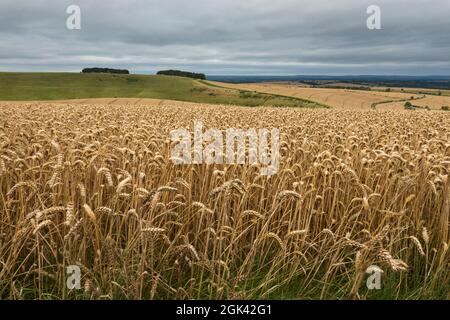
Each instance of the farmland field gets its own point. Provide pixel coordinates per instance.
(92, 183)
(346, 98)
(245, 159)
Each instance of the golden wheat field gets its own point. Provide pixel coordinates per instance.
(93, 185)
(342, 98)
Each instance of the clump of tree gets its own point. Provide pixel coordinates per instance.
(409, 106)
(182, 74)
(105, 70)
(445, 108)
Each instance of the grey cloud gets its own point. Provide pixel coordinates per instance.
(228, 37)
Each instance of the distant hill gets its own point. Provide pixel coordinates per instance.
(179, 73)
(428, 82)
(63, 86)
(104, 70)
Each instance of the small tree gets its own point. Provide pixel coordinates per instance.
(409, 106)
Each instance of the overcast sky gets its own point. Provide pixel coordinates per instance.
(228, 37)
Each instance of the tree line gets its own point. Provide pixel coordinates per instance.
(182, 74)
(105, 70)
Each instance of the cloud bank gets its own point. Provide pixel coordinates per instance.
(285, 37)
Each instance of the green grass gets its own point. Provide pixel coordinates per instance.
(63, 86)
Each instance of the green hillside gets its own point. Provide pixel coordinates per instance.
(62, 86)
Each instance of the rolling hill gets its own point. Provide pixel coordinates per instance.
(62, 86)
